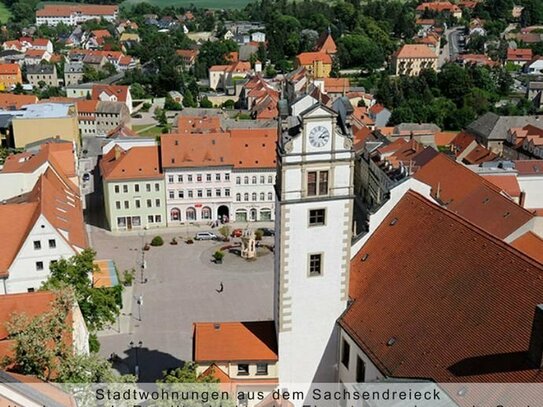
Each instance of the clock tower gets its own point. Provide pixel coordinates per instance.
(313, 236)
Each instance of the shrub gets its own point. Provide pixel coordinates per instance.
(218, 255)
(157, 241)
(258, 234)
(128, 277)
(189, 241)
(225, 231)
(174, 241)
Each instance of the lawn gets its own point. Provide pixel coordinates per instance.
(4, 13)
(218, 4)
(147, 130)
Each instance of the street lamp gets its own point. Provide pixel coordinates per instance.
(136, 347)
(140, 303)
(142, 262)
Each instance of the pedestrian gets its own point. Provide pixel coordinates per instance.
(221, 288)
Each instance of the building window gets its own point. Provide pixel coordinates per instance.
(136, 221)
(317, 217)
(345, 353)
(137, 188)
(246, 180)
(209, 193)
(116, 189)
(148, 187)
(270, 196)
(126, 205)
(227, 177)
(208, 177)
(315, 264)
(37, 245)
(238, 180)
(157, 187)
(227, 192)
(157, 202)
(270, 179)
(52, 243)
(243, 369)
(261, 369)
(217, 177)
(150, 219)
(158, 218)
(171, 194)
(121, 222)
(238, 197)
(360, 370)
(170, 179)
(190, 194)
(149, 203)
(179, 178)
(218, 192)
(262, 196)
(317, 183)
(206, 212)
(254, 179)
(262, 179)
(246, 197)
(189, 177)
(125, 188)
(198, 177)
(253, 196)
(200, 193)
(191, 214)
(39, 265)
(138, 205)
(175, 214)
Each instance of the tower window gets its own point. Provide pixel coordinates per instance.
(317, 217)
(345, 353)
(315, 264)
(317, 183)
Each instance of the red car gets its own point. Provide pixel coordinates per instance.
(237, 233)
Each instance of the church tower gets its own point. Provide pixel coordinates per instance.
(315, 163)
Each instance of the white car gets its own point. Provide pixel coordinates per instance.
(205, 236)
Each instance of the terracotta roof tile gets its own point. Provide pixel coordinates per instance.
(507, 183)
(415, 51)
(135, 163)
(235, 341)
(56, 10)
(529, 167)
(326, 44)
(530, 244)
(60, 155)
(437, 298)
(471, 196)
(10, 69)
(120, 91)
(10, 101)
(307, 58)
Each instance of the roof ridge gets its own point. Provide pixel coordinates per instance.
(473, 227)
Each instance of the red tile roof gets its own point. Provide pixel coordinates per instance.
(57, 10)
(10, 101)
(59, 155)
(120, 91)
(530, 244)
(519, 54)
(235, 341)
(199, 124)
(326, 44)
(471, 196)
(437, 298)
(439, 7)
(413, 51)
(10, 69)
(529, 167)
(507, 183)
(307, 58)
(135, 163)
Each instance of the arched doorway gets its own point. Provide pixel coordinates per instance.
(190, 214)
(252, 214)
(206, 213)
(223, 213)
(175, 214)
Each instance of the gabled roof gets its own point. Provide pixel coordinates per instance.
(10, 101)
(119, 91)
(414, 51)
(235, 341)
(437, 298)
(253, 148)
(10, 69)
(508, 183)
(307, 58)
(55, 10)
(529, 167)
(60, 155)
(530, 244)
(135, 163)
(326, 43)
(469, 195)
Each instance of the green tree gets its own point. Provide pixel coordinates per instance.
(188, 99)
(99, 306)
(206, 103)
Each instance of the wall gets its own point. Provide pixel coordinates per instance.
(243, 190)
(27, 131)
(348, 374)
(14, 184)
(131, 197)
(533, 187)
(22, 273)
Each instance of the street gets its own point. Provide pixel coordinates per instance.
(452, 48)
(181, 289)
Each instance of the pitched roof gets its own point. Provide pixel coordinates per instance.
(120, 91)
(519, 54)
(198, 124)
(10, 101)
(490, 126)
(235, 341)
(437, 298)
(10, 69)
(507, 183)
(415, 51)
(254, 148)
(469, 195)
(326, 43)
(307, 58)
(530, 244)
(336, 85)
(529, 167)
(57, 10)
(59, 155)
(16, 220)
(135, 163)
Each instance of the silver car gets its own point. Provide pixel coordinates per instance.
(205, 236)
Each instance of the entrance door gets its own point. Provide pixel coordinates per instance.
(129, 222)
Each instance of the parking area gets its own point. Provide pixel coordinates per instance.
(183, 286)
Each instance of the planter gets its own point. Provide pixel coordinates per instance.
(146, 247)
(189, 241)
(173, 242)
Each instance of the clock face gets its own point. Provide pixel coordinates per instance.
(319, 136)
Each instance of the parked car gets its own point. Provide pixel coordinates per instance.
(267, 232)
(237, 233)
(205, 236)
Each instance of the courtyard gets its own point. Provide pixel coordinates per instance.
(182, 287)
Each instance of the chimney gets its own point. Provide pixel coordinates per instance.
(522, 199)
(535, 352)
